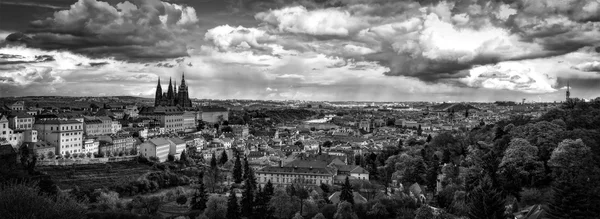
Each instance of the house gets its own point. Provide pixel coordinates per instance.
(156, 147)
(417, 192)
(355, 171)
(291, 149)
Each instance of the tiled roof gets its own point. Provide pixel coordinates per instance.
(159, 141)
(176, 140)
(57, 121)
(303, 170)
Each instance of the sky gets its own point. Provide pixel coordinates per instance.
(322, 50)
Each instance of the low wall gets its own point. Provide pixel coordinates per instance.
(63, 162)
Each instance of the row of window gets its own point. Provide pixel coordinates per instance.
(71, 133)
(24, 120)
(63, 128)
(71, 145)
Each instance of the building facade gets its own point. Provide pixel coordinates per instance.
(101, 125)
(65, 135)
(286, 175)
(157, 147)
(169, 117)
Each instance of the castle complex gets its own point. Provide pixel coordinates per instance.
(172, 97)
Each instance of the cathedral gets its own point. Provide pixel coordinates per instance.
(173, 97)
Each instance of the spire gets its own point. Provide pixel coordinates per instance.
(158, 94)
(182, 78)
(175, 88)
(170, 90)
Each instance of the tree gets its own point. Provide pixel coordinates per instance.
(345, 211)
(519, 166)
(216, 208)
(247, 199)
(486, 202)
(25, 200)
(233, 209)
(419, 130)
(200, 197)
(170, 157)
(50, 155)
(181, 200)
(223, 158)
(346, 193)
(428, 138)
(261, 207)
(378, 211)
(184, 156)
(237, 169)
(327, 144)
(425, 212)
(575, 186)
(269, 190)
(213, 179)
(319, 216)
(281, 205)
(298, 216)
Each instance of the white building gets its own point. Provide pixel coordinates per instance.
(156, 147)
(176, 147)
(65, 135)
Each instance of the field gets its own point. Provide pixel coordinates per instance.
(91, 176)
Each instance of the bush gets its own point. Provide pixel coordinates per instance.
(26, 201)
(534, 196)
(171, 157)
(182, 200)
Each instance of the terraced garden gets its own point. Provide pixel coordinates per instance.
(92, 176)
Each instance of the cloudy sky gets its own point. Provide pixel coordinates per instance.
(376, 50)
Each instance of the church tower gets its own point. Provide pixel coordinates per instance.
(158, 94)
(170, 97)
(568, 94)
(183, 95)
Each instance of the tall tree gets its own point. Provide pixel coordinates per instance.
(419, 130)
(519, 166)
(486, 202)
(237, 169)
(200, 197)
(214, 172)
(346, 193)
(223, 159)
(345, 211)
(233, 209)
(261, 206)
(576, 189)
(247, 199)
(281, 205)
(216, 208)
(269, 189)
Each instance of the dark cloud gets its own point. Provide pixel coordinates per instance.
(126, 30)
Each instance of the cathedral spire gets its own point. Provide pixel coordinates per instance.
(158, 94)
(170, 90)
(182, 78)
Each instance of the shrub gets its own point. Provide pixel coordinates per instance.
(26, 201)
(182, 200)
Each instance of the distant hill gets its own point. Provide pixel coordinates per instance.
(456, 107)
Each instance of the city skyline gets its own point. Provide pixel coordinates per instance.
(335, 50)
